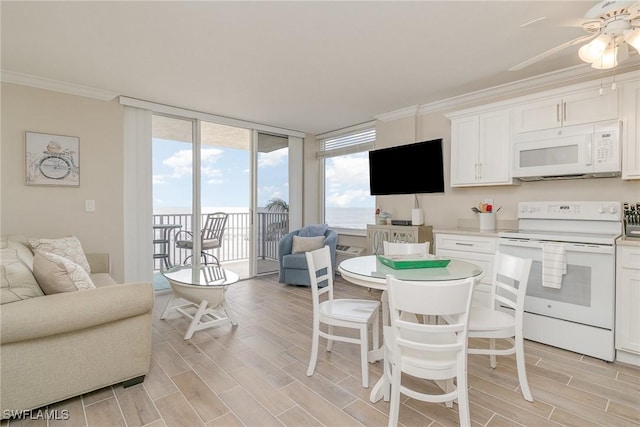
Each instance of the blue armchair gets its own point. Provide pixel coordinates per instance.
(293, 266)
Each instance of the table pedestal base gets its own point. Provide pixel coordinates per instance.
(204, 317)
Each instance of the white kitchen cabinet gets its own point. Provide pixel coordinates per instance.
(630, 106)
(569, 109)
(376, 234)
(627, 303)
(480, 149)
(479, 250)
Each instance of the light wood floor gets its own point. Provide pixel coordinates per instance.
(255, 375)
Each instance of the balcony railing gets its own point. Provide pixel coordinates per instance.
(235, 242)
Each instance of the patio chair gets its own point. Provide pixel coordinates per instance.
(210, 237)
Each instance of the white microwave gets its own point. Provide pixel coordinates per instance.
(581, 151)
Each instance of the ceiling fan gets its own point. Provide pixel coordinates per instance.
(611, 26)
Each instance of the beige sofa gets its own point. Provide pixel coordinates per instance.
(53, 347)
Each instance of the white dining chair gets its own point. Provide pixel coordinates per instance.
(347, 313)
(508, 290)
(394, 248)
(427, 351)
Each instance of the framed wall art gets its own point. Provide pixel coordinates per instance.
(52, 159)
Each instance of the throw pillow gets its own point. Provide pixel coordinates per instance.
(57, 274)
(313, 230)
(67, 247)
(16, 280)
(306, 244)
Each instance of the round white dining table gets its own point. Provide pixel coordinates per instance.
(368, 271)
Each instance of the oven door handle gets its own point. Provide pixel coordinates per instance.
(568, 247)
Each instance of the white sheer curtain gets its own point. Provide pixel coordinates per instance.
(138, 193)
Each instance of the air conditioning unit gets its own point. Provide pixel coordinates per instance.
(344, 252)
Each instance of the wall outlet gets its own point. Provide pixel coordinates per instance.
(89, 205)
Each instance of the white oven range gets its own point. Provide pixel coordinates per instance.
(571, 308)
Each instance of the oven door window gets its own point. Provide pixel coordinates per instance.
(587, 291)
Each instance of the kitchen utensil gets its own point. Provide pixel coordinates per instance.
(475, 210)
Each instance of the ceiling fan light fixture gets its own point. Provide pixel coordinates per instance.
(633, 38)
(609, 59)
(593, 51)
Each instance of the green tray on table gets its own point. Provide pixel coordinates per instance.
(401, 262)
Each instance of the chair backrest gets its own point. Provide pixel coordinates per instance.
(320, 271)
(450, 299)
(214, 226)
(509, 282)
(393, 248)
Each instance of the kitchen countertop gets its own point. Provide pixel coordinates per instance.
(628, 241)
(470, 227)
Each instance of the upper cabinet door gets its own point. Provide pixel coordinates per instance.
(464, 150)
(494, 149)
(587, 106)
(537, 115)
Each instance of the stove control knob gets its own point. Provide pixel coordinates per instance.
(602, 210)
(613, 209)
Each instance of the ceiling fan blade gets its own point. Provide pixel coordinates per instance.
(551, 52)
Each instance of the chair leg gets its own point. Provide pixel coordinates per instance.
(376, 332)
(492, 357)
(463, 398)
(394, 407)
(313, 358)
(448, 388)
(522, 370)
(364, 353)
(330, 341)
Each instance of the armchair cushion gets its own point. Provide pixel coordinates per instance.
(298, 261)
(306, 244)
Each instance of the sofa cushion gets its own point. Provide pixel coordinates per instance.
(57, 274)
(306, 244)
(295, 261)
(16, 280)
(67, 247)
(21, 246)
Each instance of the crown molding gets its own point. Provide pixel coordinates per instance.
(398, 114)
(564, 76)
(55, 85)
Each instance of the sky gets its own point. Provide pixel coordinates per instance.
(225, 177)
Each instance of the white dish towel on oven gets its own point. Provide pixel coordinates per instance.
(554, 264)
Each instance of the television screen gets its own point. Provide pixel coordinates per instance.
(407, 169)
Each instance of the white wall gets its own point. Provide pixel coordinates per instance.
(59, 211)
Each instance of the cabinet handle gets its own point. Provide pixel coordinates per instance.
(479, 170)
(464, 244)
(558, 113)
(564, 111)
(476, 171)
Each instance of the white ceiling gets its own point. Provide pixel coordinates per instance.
(306, 66)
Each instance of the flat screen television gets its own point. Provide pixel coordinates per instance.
(407, 169)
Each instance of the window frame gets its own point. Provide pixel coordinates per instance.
(352, 140)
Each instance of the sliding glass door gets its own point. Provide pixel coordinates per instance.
(241, 173)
